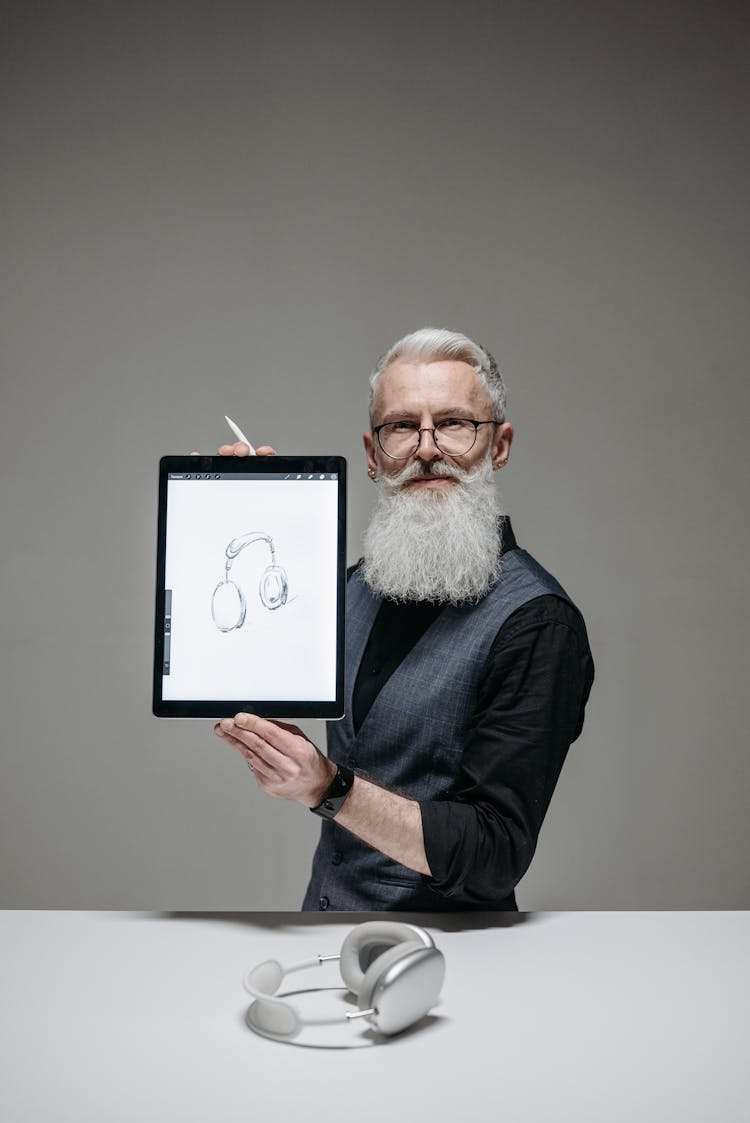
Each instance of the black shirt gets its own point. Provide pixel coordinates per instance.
(529, 709)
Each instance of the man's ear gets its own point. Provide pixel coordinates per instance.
(369, 442)
(501, 442)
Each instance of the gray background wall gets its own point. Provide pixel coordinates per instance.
(234, 208)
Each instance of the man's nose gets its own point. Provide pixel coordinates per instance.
(427, 450)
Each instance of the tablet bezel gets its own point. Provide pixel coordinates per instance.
(217, 708)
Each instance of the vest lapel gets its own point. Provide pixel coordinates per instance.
(361, 610)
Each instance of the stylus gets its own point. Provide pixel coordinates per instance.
(239, 434)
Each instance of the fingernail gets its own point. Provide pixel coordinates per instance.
(240, 719)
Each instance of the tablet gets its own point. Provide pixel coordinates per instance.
(250, 586)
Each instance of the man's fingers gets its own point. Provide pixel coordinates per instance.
(225, 735)
(282, 759)
(239, 448)
(287, 727)
(287, 739)
(260, 765)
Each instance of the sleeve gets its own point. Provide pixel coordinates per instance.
(480, 840)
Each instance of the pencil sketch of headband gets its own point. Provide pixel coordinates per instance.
(228, 605)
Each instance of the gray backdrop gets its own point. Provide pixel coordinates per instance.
(234, 208)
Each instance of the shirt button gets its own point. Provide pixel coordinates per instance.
(336, 859)
(323, 904)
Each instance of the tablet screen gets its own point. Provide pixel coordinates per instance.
(250, 586)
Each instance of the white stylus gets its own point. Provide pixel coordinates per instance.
(239, 434)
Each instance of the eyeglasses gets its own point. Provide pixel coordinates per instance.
(454, 436)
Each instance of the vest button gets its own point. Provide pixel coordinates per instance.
(337, 858)
(323, 904)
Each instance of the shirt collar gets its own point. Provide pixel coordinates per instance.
(507, 537)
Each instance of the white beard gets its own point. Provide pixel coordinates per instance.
(434, 545)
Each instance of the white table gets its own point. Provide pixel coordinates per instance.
(547, 1016)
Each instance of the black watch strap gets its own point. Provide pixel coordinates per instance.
(336, 793)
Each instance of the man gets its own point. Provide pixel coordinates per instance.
(468, 668)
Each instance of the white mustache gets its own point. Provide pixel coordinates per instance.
(422, 468)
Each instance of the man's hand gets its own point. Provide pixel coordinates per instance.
(286, 764)
(239, 448)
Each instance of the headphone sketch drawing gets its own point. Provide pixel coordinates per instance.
(228, 604)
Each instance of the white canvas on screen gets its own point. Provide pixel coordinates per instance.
(288, 652)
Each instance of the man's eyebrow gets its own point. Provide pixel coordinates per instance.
(399, 415)
(410, 415)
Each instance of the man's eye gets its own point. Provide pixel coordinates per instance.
(403, 426)
(452, 423)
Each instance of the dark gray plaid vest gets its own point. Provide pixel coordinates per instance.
(412, 738)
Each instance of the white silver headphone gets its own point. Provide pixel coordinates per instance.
(394, 969)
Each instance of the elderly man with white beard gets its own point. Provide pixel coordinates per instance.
(468, 667)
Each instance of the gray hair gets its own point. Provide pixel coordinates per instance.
(434, 345)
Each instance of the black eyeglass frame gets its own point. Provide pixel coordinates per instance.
(376, 433)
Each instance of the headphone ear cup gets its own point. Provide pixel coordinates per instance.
(269, 1016)
(376, 970)
(368, 941)
(275, 1019)
(228, 606)
(273, 588)
(402, 986)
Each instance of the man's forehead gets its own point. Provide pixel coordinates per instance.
(412, 385)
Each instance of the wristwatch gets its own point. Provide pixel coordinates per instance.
(336, 793)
